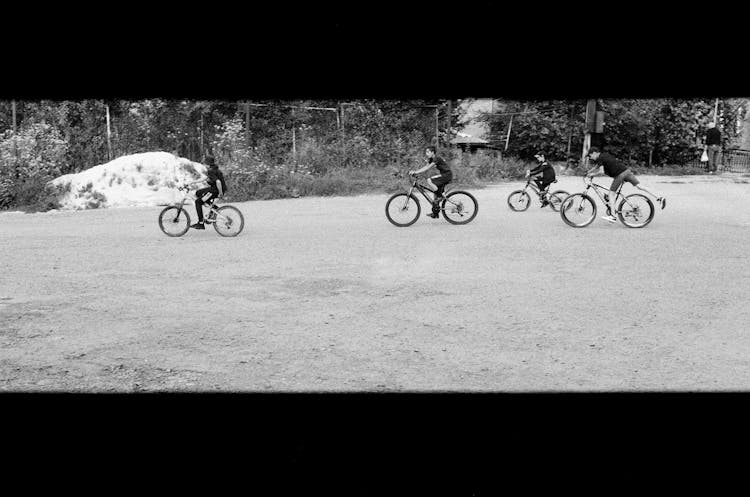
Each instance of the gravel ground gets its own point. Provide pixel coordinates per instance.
(324, 295)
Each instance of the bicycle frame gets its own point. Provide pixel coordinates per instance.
(598, 187)
(534, 187)
(189, 199)
(416, 185)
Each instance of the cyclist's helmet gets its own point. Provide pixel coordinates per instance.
(539, 155)
(210, 161)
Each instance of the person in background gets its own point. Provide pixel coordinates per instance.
(713, 146)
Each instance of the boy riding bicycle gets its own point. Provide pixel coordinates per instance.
(545, 176)
(621, 173)
(437, 181)
(215, 190)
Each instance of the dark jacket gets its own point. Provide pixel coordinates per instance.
(713, 137)
(545, 168)
(214, 174)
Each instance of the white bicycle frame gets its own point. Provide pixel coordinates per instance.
(190, 198)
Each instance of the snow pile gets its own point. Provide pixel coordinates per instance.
(145, 179)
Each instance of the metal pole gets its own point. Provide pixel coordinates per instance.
(570, 131)
(448, 128)
(15, 147)
(437, 125)
(343, 135)
(339, 126)
(716, 110)
(590, 123)
(109, 136)
(507, 137)
(294, 144)
(247, 124)
(201, 142)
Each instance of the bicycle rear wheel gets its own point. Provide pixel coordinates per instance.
(402, 209)
(578, 210)
(519, 200)
(556, 198)
(459, 207)
(174, 221)
(636, 211)
(229, 221)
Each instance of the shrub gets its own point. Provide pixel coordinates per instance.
(37, 194)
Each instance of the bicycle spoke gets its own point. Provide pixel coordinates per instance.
(578, 210)
(459, 207)
(402, 209)
(174, 221)
(636, 211)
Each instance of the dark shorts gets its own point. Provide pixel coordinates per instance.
(442, 179)
(626, 175)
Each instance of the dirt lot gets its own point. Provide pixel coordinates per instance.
(323, 294)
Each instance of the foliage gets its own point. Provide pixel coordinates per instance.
(640, 132)
(30, 158)
(286, 148)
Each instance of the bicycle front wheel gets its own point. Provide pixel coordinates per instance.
(556, 198)
(636, 211)
(578, 210)
(519, 200)
(174, 221)
(402, 209)
(229, 221)
(460, 207)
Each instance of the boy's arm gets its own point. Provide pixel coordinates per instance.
(422, 169)
(193, 183)
(218, 186)
(536, 170)
(593, 170)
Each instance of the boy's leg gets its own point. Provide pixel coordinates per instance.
(439, 183)
(199, 201)
(636, 183)
(199, 209)
(539, 184)
(431, 184)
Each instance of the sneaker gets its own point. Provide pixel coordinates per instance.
(433, 215)
(544, 204)
(609, 218)
(198, 226)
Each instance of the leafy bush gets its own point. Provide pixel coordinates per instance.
(39, 151)
(27, 162)
(37, 194)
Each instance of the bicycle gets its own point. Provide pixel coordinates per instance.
(457, 206)
(174, 219)
(634, 211)
(519, 200)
